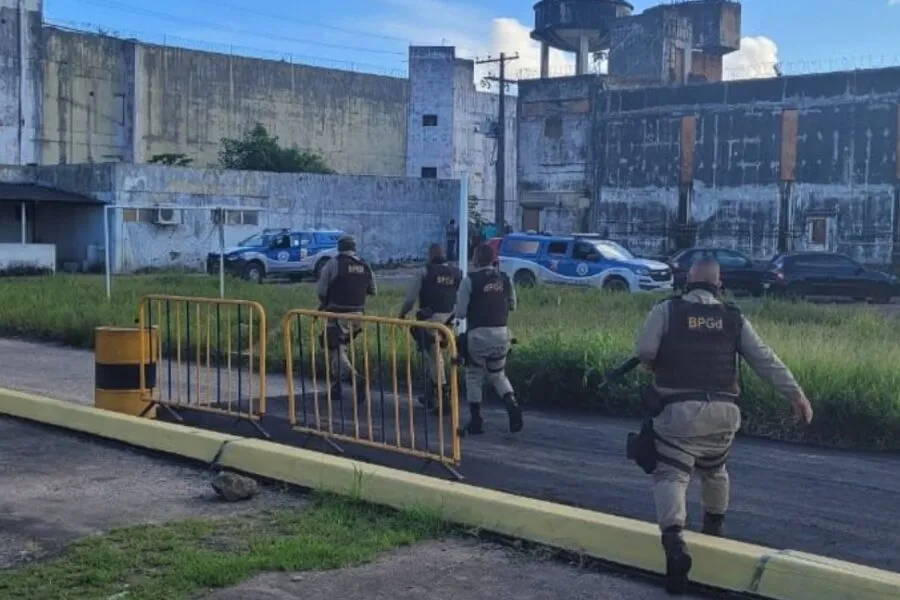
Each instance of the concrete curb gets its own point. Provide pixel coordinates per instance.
(719, 563)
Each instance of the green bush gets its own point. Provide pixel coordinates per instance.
(846, 358)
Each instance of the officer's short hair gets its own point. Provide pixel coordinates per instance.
(347, 243)
(436, 253)
(484, 255)
(705, 270)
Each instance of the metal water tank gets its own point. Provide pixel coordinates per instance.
(562, 23)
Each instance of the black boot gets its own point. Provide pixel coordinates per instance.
(714, 524)
(475, 426)
(514, 412)
(428, 399)
(678, 560)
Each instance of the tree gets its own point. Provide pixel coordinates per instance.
(259, 151)
(172, 160)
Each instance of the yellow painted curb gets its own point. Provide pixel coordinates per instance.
(720, 563)
(189, 442)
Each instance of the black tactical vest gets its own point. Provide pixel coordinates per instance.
(489, 301)
(700, 348)
(348, 290)
(439, 287)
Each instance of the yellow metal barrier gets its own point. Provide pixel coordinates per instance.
(211, 355)
(386, 368)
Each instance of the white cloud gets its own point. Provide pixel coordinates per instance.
(477, 32)
(511, 36)
(757, 58)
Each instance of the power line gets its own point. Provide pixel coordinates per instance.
(207, 46)
(302, 22)
(206, 24)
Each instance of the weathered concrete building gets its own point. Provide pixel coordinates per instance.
(58, 212)
(72, 97)
(660, 153)
(453, 127)
(107, 99)
(761, 165)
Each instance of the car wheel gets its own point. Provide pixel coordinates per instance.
(524, 278)
(616, 284)
(882, 296)
(254, 272)
(317, 271)
(792, 294)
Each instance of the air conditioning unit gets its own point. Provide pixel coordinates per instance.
(166, 216)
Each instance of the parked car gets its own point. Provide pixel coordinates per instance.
(739, 272)
(584, 261)
(279, 252)
(802, 274)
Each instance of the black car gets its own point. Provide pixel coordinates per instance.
(739, 273)
(801, 274)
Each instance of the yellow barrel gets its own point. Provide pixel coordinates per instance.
(117, 368)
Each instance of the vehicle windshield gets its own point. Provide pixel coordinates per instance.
(612, 250)
(255, 241)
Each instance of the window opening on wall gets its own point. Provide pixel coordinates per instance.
(429, 120)
(818, 231)
(429, 172)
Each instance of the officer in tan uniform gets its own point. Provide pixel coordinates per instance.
(485, 298)
(434, 287)
(692, 344)
(344, 284)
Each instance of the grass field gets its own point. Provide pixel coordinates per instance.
(180, 560)
(845, 358)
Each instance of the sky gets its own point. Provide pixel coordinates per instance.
(373, 35)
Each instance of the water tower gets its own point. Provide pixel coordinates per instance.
(577, 26)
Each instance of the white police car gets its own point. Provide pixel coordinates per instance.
(279, 253)
(580, 260)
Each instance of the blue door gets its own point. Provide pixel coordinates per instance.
(278, 255)
(583, 265)
(553, 259)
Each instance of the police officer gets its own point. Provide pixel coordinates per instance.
(435, 288)
(343, 286)
(692, 343)
(485, 298)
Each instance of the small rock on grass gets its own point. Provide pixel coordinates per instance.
(233, 487)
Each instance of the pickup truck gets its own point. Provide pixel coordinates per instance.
(588, 260)
(294, 254)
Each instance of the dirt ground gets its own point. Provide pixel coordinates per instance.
(59, 487)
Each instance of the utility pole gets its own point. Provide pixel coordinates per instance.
(500, 167)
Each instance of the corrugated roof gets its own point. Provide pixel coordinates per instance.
(29, 192)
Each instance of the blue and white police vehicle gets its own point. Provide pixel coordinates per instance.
(287, 253)
(583, 260)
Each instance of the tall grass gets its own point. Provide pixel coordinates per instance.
(846, 358)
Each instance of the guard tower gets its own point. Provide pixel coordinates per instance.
(578, 26)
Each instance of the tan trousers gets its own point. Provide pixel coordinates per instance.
(340, 365)
(696, 436)
(487, 350)
(434, 361)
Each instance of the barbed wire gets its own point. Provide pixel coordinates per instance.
(763, 69)
(175, 41)
(760, 70)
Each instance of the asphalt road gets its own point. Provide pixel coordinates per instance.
(840, 504)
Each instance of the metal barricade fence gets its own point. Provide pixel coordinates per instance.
(210, 357)
(386, 369)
